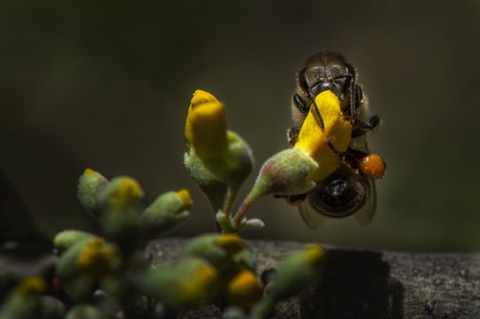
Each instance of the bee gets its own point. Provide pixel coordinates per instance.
(351, 188)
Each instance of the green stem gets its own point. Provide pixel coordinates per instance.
(230, 198)
(242, 210)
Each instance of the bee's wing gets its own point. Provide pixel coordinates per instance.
(365, 214)
(312, 218)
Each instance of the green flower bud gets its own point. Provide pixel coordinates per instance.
(67, 238)
(298, 272)
(212, 186)
(25, 301)
(120, 219)
(191, 282)
(237, 162)
(166, 212)
(85, 263)
(121, 193)
(217, 249)
(244, 290)
(90, 185)
(85, 312)
(285, 173)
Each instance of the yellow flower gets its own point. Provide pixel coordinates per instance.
(206, 126)
(314, 140)
(223, 154)
(186, 199)
(97, 258)
(244, 290)
(313, 158)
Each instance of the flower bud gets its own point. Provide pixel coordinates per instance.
(222, 152)
(298, 272)
(166, 212)
(84, 264)
(217, 249)
(121, 192)
(212, 186)
(67, 238)
(90, 185)
(206, 126)
(121, 209)
(191, 282)
(244, 290)
(288, 172)
(25, 301)
(85, 311)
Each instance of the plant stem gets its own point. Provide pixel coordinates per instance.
(230, 198)
(242, 210)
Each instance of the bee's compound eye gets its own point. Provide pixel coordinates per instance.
(372, 166)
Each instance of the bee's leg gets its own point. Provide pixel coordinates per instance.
(363, 127)
(301, 104)
(303, 108)
(292, 200)
(292, 135)
(350, 158)
(358, 96)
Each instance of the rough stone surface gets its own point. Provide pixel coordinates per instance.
(369, 283)
(356, 283)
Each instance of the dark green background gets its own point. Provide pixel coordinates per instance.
(106, 85)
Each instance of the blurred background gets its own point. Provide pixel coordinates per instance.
(106, 85)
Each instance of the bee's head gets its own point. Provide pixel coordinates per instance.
(327, 71)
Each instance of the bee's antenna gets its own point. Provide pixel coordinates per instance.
(352, 91)
(352, 97)
(312, 97)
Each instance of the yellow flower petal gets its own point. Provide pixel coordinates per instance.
(206, 126)
(89, 171)
(315, 254)
(97, 258)
(231, 243)
(244, 290)
(186, 199)
(312, 139)
(122, 192)
(196, 288)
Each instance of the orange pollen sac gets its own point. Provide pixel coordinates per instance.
(372, 166)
